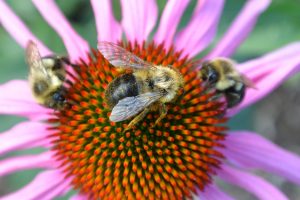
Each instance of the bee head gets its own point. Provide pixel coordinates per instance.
(163, 82)
(208, 73)
(58, 100)
(169, 81)
(162, 79)
(57, 96)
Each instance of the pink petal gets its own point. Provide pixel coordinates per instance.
(202, 28)
(16, 99)
(251, 183)
(16, 89)
(268, 72)
(266, 62)
(252, 151)
(58, 191)
(169, 21)
(41, 187)
(78, 197)
(107, 27)
(17, 29)
(23, 109)
(212, 192)
(24, 135)
(76, 46)
(138, 18)
(240, 28)
(12, 165)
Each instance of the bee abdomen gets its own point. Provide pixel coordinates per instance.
(120, 88)
(234, 96)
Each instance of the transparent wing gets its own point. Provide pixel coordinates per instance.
(33, 58)
(248, 82)
(131, 106)
(120, 57)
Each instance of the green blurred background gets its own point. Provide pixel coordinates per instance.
(276, 117)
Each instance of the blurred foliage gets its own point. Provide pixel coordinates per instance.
(278, 26)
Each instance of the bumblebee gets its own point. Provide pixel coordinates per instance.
(221, 74)
(46, 77)
(147, 88)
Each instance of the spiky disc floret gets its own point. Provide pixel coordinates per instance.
(168, 161)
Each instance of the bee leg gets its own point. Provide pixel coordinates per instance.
(163, 112)
(137, 119)
(67, 61)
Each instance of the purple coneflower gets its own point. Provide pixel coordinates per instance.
(182, 155)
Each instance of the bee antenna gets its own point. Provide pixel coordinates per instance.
(67, 61)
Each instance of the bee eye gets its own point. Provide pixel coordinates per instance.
(213, 77)
(58, 97)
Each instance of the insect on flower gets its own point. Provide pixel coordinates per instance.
(178, 159)
(221, 74)
(46, 77)
(148, 87)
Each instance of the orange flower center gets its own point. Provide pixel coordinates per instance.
(168, 161)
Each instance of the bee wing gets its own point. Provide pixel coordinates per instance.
(131, 106)
(120, 57)
(248, 82)
(34, 59)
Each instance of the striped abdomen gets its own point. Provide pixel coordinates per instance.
(120, 88)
